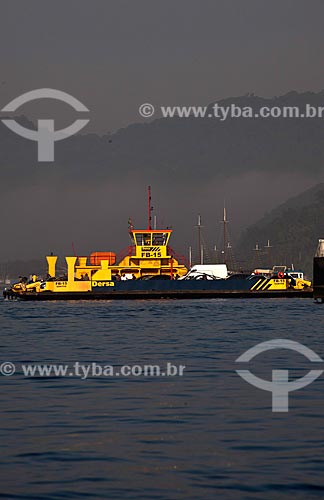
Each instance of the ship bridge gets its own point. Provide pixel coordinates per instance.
(151, 254)
(150, 243)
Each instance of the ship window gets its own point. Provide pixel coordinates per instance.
(138, 238)
(159, 239)
(147, 239)
(143, 239)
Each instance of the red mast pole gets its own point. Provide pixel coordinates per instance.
(149, 228)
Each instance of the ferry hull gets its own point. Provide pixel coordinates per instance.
(168, 289)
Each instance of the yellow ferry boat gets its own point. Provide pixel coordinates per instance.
(150, 269)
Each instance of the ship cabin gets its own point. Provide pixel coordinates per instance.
(151, 243)
(150, 255)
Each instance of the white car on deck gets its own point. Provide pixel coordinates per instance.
(206, 271)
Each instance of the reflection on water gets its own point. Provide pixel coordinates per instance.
(205, 435)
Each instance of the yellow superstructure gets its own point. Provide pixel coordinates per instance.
(149, 255)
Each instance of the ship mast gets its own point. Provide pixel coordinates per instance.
(149, 208)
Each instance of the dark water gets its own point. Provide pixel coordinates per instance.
(205, 435)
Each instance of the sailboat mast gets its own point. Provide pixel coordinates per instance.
(224, 234)
(199, 239)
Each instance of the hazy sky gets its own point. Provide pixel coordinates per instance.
(114, 55)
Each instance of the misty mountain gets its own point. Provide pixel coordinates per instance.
(97, 182)
(292, 230)
(177, 149)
